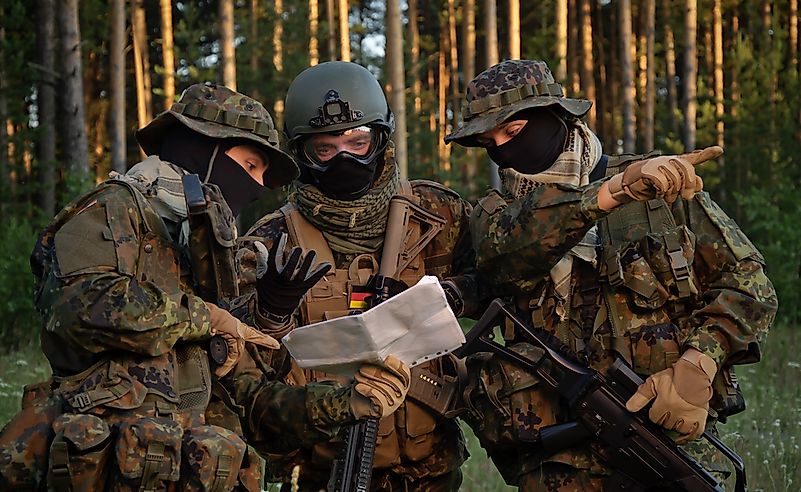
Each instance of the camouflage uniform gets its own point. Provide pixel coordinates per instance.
(132, 401)
(418, 448)
(668, 277)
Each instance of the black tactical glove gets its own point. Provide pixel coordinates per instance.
(282, 282)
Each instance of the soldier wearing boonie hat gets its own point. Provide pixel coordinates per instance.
(125, 328)
(665, 280)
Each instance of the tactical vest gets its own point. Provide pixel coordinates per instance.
(408, 434)
(636, 305)
(132, 422)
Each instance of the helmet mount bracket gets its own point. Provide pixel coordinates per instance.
(334, 111)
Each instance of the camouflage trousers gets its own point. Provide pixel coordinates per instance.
(387, 481)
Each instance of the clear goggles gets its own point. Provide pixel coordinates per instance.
(360, 143)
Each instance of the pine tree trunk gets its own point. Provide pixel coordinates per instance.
(647, 66)
(614, 78)
(717, 28)
(792, 33)
(117, 86)
(670, 68)
(454, 55)
(330, 16)
(690, 75)
(514, 29)
(573, 49)
(491, 48)
(468, 73)
(46, 102)
(227, 47)
(278, 58)
(168, 51)
(144, 105)
(76, 147)
(561, 41)
(397, 95)
(314, 52)
(600, 41)
(588, 64)
(255, 48)
(443, 150)
(344, 31)
(627, 77)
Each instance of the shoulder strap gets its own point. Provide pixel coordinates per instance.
(304, 234)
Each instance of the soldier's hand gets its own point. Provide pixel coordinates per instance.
(667, 176)
(378, 390)
(681, 395)
(236, 334)
(283, 279)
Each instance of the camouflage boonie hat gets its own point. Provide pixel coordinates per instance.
(219, 112)
(505, 89)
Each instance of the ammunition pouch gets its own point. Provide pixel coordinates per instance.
(440, 393)
(80, 453)
(25, 440)
(148, 454)
(212, 457)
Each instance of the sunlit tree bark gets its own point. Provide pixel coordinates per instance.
(670, 67)
(278, 58)
(587, 63)
(690, 74)
(314, 52)
(144, 111)
(168, 53)
(344, 31)
(514, 29)
(491, 49)
(627, 77)
(397, 82)
(76, 147)
(647, 72)
(561, 41)
(227, 47)
(117, 86)
(469, 72)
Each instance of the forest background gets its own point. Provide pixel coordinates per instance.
(77, 77)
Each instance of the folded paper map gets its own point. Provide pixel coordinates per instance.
(415, 326)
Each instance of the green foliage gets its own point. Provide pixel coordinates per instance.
(19, 317)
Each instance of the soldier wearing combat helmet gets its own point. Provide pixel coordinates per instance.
(641, 266)
(338, 126)
(134, 400)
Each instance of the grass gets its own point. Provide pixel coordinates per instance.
(767, 435)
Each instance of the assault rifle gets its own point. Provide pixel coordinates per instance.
(353, 469)
(642, 455)
(210, 254)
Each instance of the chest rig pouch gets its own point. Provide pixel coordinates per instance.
(135, 421)
(651, 289)
(407, 434)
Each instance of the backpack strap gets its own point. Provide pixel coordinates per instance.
(304, 234)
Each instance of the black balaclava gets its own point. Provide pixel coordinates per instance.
(536, 147)
(345, 178)
(193, 151)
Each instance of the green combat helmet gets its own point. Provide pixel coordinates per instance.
(334, 96)
(218, 112)
(505, 89)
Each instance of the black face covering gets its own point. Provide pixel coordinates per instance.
(345, 178)
(192, 151)
(237, 186)
(536, 147)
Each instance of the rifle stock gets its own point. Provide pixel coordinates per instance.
(352, 471)
(642, 455)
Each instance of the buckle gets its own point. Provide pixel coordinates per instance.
(81, 401)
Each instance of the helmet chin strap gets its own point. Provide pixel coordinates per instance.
(211, 163)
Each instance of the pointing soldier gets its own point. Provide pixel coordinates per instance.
(665, 281)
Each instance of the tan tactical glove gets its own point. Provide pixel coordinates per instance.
(379, 390)
(682, 395)
(667, 176)
(235, 333)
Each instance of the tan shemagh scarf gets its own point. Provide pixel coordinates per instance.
(351, 226)
(573, 166)
(161, 183)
